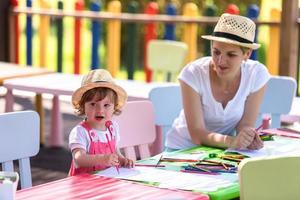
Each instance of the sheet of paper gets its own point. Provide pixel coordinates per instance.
(174, 179)
(278, 147)
(190, 156)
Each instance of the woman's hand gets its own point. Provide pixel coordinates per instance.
(257, 143)
(246, 138)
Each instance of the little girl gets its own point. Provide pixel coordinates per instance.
(93, 146)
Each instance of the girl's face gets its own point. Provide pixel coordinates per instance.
(98, 112)
(227, 58)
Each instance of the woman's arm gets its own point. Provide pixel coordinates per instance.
(246, 125)
(193, 111)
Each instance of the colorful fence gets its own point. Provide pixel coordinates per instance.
(103, 43)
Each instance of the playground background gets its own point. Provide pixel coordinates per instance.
(266, 54)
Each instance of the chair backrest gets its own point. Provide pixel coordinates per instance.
(269, 178)
(278, 99)
(20, 140)
(167, 104)
(166, 56)
(137, 128)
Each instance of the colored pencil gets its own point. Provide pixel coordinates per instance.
(198, 172)
(159, 160)
(148, 165)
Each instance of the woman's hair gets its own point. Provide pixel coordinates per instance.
(244, 49)
(100, 93)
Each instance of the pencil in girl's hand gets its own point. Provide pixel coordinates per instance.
(108, 125)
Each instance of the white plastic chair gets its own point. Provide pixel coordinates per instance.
(20, 140)
(273, 178)
(166, 56)
(278, 99)
(137, 129)
(167, 104)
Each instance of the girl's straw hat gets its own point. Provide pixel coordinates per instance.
(234, 29)
(99, 78)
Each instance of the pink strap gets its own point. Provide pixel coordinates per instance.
(88, 128)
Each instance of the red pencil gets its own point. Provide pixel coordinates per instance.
(148, 165)
(261, 126)
(108, 125)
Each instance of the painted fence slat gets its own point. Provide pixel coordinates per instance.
(113, 39)
(79, 4)
(190, 31)
(210, 10)
(273, 51)
(43, 34)
(150, 33)
(15, 40)
(60, 36)
(253, 13)
(132, 43)
(29, 35)
(96, 30)
(232, 9)
(170, 28)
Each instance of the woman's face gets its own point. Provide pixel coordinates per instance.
(227, 58)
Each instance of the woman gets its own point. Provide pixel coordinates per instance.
(222, 93)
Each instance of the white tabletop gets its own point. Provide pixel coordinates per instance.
(10, 70)
(66, 84)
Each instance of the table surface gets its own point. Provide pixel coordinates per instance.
(89, 186)
(97, 186)
(10, 70)
(66, 84)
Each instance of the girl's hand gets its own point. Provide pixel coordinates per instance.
(110, 160)
(125, 162)
(245, 138)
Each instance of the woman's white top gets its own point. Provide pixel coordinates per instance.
(254, 76)
(79, 137)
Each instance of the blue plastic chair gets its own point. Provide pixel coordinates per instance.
(167, 104)
(20, 140)
(278, 99)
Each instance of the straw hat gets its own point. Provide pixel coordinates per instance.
(234, 29)
(99, 78)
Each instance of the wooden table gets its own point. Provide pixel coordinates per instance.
(97, 187)
(58, 84)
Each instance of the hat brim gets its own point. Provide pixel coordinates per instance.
(122, 95)
(229, 41)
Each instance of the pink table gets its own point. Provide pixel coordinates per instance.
(65, 84)
(97, 187)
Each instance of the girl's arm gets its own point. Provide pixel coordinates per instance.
(82, 159)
